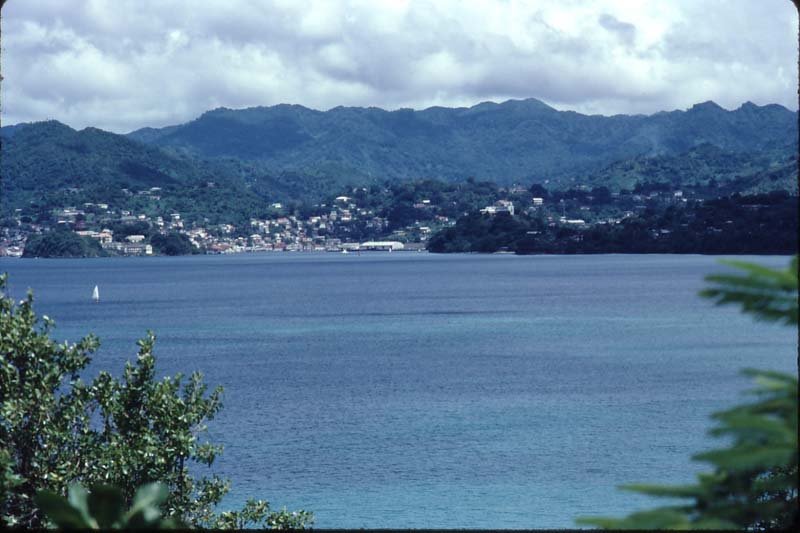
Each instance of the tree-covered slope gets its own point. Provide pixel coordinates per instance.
(55, 153)
(50, 163)
(513, 141)
(229, 165)
(757, 224)
(743, 172)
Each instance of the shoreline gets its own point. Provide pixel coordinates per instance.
(425, 252)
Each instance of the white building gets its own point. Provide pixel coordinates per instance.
(382, 245)
(500, 206)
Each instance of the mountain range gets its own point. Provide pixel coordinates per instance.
(292, 152)
(515, 141)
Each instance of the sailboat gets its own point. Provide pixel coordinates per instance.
(96, 294)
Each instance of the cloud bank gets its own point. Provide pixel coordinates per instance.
(123, 64)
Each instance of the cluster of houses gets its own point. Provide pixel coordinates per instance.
(130, 245)
(324, 232)
(331, 229)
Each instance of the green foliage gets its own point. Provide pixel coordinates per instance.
(150, 431)
(62, 243)
(728, 171)
(477, 232)
(754, 483)
(505, 142)
(55, 429)
(173, 244)
(103, 507)
(757, 224)
(9, 480)
(256, 514)
(35, 415)
(124, 229)
(768, 294)
(229, 164)
(48, 165)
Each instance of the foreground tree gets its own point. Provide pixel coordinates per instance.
(55, 429)
(754, 484)
(104, 508)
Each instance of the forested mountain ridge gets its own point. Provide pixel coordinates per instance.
(298, 155)
(515, 141)
(51, 164)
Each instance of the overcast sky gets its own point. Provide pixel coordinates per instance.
(123, 64)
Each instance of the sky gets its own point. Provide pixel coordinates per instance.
(124, 64)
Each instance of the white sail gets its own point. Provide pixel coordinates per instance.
(96, 294)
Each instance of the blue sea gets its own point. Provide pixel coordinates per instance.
(417, 390)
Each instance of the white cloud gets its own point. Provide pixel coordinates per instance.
(123, 64)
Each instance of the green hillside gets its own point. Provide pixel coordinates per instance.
(516, 141)
(230, 165)
(48, 163)
(743, 172)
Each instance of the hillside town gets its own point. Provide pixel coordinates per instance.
(344, 225)
(326, 232)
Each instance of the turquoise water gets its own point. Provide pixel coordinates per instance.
(411, 390)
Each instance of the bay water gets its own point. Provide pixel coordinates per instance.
(420, 390)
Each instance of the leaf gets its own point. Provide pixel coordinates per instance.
(677, 491)
(714, 523)
(785, 381)
(746, 458)
(77, 496)
(60, 512)
(171, 523)
(767, 293)
(145, 509)
(151, 494)
(106, 505)
(663, 518)
(751, 427)
(598, 521)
